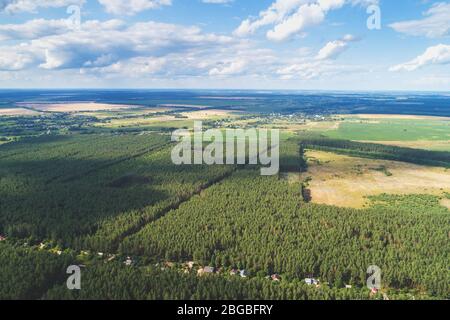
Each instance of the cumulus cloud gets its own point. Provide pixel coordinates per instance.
(133, 67)
(217, 1)
(131, 7)
(13, 60)
(290, 17)
(230, 68)
(16, 6)
(308, 70)
(435, 24)
(33, 29)
(334, 48)
(437, 55)
(312, 66)
(105, 44)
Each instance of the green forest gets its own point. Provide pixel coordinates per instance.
(99, 200)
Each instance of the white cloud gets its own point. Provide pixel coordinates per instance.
(437, 55)
(309, 69)
(311, 66)
(16, 6)
(33, 29)
(131, 68)
(290, 17)
(111, 45)
(13, 60)
(217, 1)
(435, 24)
(307, 15)
(334, 48)
(231, 68)
(276, 13)
(131, 7)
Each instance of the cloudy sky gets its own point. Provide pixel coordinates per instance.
(238, 44)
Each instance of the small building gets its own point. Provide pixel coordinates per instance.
(190, 264)
(374, 291)
(209, 270)
(111, 258)
(205, 270)
(243, 273)
(128, 262)
(347, 286)
(234, 272)
(2, 238)
(275, 277)
(312, 282)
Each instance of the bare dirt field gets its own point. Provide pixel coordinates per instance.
(17, 112)
(184, 106)
(346, 181)
(208, 114)
(446, 203)
(78, 107)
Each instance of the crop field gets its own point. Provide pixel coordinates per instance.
(76, 107)
(348, 181)
(392, 129)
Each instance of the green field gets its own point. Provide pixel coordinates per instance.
(392, 130)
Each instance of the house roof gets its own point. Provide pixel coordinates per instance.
(208, 269)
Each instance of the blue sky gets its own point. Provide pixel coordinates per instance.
(238, 44)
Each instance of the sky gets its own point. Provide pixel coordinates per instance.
(358, 45)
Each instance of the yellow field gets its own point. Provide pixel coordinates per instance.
(184, 106)
(136, 122)
(209, 114)
(346, 181)
(79, 107)
(445, 203)
(17, 112)
(101, 114)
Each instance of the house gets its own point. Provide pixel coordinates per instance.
(234, 272)
(374, 291)
(190, 264)
(208, 269)
(243, 273)
(205, 270)
(111, 258)
(312, 281)
(275, 277)
(128, 262)
(347, 286)
(2, 238)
